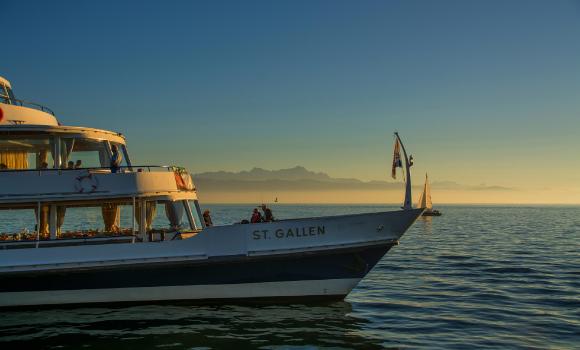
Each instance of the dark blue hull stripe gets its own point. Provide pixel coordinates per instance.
(335, 264)
(277, 300)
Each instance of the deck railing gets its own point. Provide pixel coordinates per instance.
(183, 179)
(121, 169)
(29, 104)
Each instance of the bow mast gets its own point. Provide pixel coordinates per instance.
(407, 203)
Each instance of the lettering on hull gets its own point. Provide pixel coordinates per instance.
(289, 233)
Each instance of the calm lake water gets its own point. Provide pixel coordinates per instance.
(476, 277)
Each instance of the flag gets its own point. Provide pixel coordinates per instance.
(396, 159)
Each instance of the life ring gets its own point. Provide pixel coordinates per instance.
(86, 183)
(183, 180)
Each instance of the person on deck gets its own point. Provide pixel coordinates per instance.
(207, 218)
(256, 216)
(70, 165)
(268, 217)
(116, 159)
(78, 164)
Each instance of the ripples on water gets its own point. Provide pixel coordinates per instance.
(495, 277)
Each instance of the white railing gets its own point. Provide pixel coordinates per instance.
(43, 184)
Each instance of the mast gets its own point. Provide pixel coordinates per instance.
(407, 204)
(428, 201)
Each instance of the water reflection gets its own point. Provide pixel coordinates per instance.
(425, 224)
(182, 326)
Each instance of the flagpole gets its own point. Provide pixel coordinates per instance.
(407, 204)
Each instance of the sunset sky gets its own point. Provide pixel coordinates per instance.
(482, 92)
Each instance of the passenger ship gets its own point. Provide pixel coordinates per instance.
(151, 245)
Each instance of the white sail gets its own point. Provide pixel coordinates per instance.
(425, 199)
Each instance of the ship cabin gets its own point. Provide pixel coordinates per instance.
(67, 185)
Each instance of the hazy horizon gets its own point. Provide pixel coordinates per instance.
(299, 185)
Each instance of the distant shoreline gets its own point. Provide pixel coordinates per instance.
(399, 204)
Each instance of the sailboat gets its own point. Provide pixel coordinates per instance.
(425, 200)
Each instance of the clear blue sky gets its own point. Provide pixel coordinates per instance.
(481, 91)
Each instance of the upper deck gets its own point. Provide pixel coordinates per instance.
(65, 163)
(25, 188)
(15, 111)
(52, 175)
(41, 160)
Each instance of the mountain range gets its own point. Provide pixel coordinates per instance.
(299, 178)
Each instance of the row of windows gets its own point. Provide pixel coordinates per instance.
(17, 153)
(98, 220)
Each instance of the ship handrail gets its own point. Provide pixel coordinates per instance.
(35, 105)
(124, 168)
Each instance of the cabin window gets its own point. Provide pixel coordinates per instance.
(4, 97)
(18, 153)
(194, 206)
(17, 224)
(116, 218)
(170, 216)
(105, 219)
(83, 153)
(10, 94)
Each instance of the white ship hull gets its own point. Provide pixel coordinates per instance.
(218, 293)
(318, 258)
